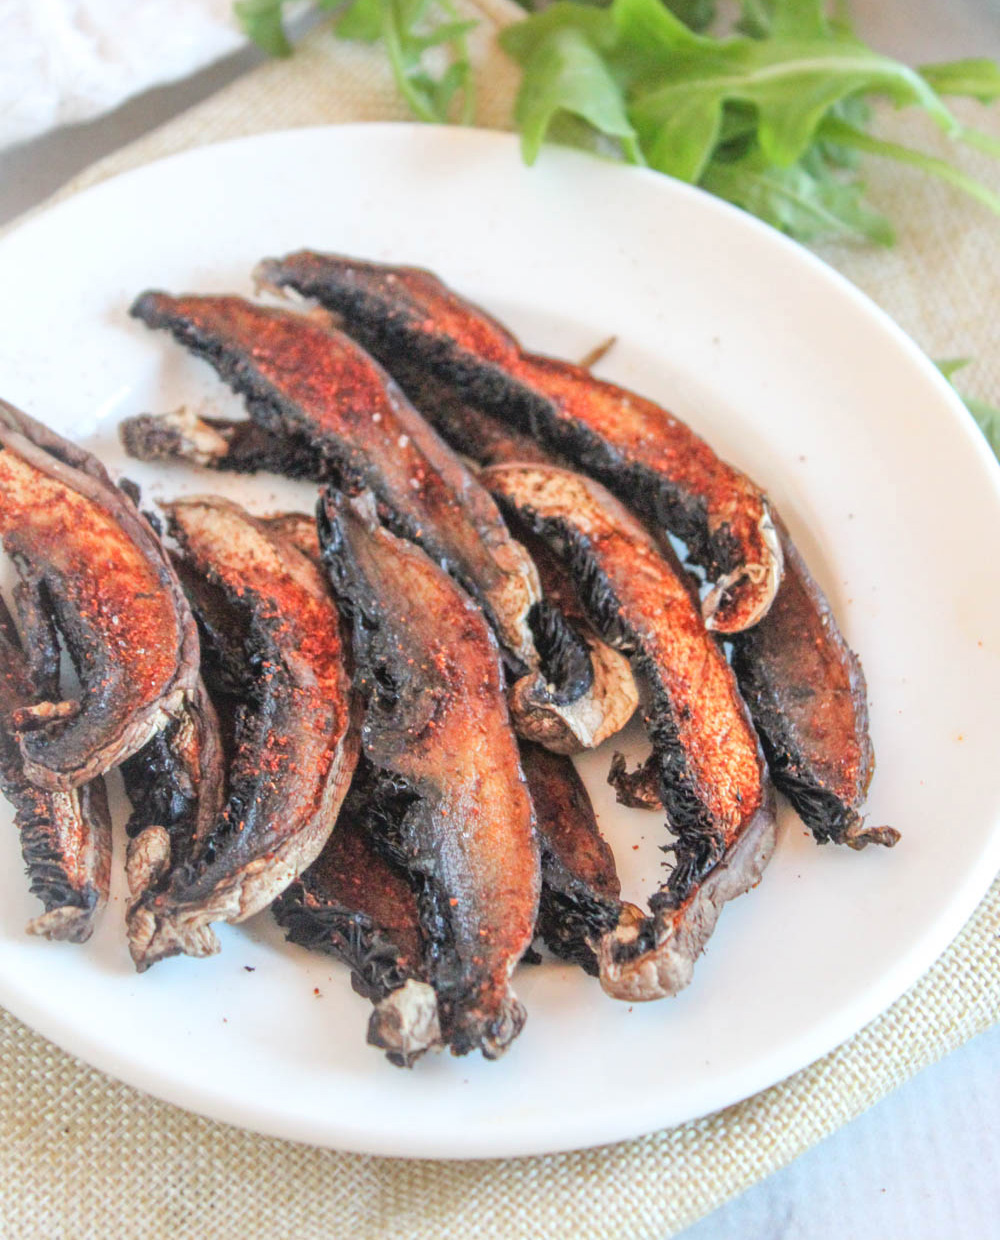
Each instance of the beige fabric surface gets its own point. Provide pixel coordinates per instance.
(81, 1155)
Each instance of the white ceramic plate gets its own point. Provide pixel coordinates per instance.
(790, 374)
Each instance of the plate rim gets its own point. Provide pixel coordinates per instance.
(879, 995)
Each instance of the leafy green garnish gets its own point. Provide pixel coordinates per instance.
(418, 36)
(264, 22)
(567, 74)
(698, 14)
(986, 416)
(770, 116)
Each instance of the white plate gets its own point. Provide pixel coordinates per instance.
(792, 375)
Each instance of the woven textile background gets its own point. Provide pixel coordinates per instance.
(82, 1156)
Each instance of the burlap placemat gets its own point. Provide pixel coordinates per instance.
(82, 1156)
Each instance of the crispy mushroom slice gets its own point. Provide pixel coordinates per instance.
(712, 778)
(65, 836)
(651, 459)
(294, 746)
(808, 698)
(312, 386)
(113, 595)
(450, 796)
(580, 901)
(651, 957)
(355, 904)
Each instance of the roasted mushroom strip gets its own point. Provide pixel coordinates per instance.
(651, 459)
(65, 836)
(294, 747)
(652, 957)
(77, 540)
(311, 385)
(357, 905)
(450, 797)
(176, 782)
(580, 901)
(713, 782)
(239, 447)
(807, 695)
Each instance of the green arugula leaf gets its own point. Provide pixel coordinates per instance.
(803, 20)
(262, 21)
(756, 19)
(792, 83)
(773, 115)
(773, 118)
(409, 29)
(846, 135)
(698, 14)
(987, 419)
(522, 39)
(950, 366)
(565, 73)
(976, 79)
(806, 200)
(986, 416)
(362, 21)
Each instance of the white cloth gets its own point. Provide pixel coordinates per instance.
(69, 60)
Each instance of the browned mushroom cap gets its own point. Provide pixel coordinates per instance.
(648, 457)
(113, 596)
(451, 798)
(295, 748)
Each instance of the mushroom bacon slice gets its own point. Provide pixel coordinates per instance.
(452, 801)
(82, 544)
(651, 459)
(808, 698)
(312, 386)
(580, 901)
(65, 835)
(355, 904)
(294, 748)
(712, 778)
